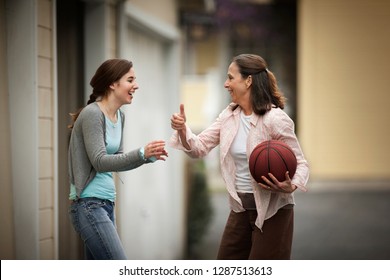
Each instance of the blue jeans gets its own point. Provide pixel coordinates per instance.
(94, 220)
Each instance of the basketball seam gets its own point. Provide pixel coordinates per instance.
(255, 170)
(267, 147)
(268, 158)
(286, 147)
(280, 156)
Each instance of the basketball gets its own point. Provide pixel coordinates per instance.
(272, 156)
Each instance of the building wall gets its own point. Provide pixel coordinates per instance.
(151, 197)
(29, 134)
(112, 29)
(29, 123)
(7, 248)
(164, 10)
(343, 88)
(46, 122)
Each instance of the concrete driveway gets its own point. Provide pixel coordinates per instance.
(336, 224)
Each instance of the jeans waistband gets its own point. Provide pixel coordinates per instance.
(107, 201)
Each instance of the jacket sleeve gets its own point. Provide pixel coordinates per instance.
(281, 127)
(202, 143)
(93, 125)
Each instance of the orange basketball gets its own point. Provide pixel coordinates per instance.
(272, 156)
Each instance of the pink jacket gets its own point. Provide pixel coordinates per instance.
(275, 124)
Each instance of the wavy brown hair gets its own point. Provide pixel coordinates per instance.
(109, 72)
(264, 90)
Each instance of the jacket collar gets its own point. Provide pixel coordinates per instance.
(236, 110)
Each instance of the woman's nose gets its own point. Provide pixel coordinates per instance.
(226, 84)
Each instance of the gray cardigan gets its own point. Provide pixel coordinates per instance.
(87, 150)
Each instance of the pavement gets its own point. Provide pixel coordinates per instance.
(335, 224)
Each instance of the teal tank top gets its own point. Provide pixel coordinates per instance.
(102, 185)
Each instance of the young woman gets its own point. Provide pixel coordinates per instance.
(95, 151)
(260, 224)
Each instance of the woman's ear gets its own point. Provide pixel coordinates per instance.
(248, 81)
(112, 86)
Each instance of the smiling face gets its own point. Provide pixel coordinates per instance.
(238, 87)
(125, 87)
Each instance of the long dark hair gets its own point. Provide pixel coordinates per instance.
(264, 90)
(108, 72)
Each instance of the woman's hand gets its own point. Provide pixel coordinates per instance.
(156, 149)
(276, 186)
(178, 120)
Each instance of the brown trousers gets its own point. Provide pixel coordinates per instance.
(243, 240)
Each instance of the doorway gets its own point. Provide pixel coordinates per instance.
(70, 60)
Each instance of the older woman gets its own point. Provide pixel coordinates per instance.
(260, 224)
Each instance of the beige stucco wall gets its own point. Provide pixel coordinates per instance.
(193, 96)
(164, 10)
(343, 94)
(210, 50)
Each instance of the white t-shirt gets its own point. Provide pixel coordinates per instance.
(238, 152)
